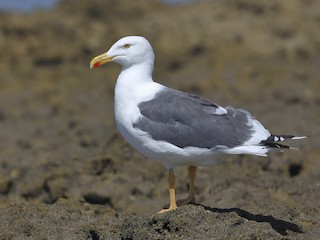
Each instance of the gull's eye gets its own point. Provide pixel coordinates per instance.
(127, 45)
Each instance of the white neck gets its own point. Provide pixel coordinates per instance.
(133, 78)
(142, 71)
(134, 85)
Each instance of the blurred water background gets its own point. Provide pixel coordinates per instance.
(30, 5)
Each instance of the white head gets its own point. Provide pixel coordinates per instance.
(127, 51)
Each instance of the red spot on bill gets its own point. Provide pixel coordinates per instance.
(97, 64)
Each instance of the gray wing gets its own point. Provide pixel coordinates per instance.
(188, 120)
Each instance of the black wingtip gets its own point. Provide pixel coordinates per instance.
(273, 141)
(281, 138)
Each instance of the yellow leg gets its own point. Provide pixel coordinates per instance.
(173, 204)
(191, 197)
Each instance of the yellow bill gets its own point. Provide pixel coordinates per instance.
(100, 60)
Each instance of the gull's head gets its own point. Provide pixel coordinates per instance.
(127, 51)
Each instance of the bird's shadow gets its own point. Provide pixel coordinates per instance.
(278, 225)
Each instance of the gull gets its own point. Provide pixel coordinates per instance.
(176, 128)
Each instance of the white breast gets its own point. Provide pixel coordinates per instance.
(129, 92)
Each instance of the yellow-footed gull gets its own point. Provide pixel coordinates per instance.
(177, 128)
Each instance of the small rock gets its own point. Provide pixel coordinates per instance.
(5, 185)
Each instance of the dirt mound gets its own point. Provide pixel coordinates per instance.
(67, 173)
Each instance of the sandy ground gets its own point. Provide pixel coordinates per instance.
(66, 173)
